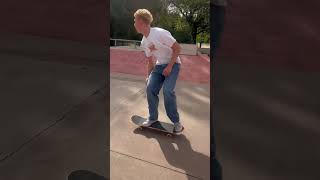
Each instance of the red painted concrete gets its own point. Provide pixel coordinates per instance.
(193, 68)
(274, 33)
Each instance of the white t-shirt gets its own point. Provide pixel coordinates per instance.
(158, 44)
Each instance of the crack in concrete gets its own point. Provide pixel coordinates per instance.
(55, 123)
(159, 165)
(3, 155)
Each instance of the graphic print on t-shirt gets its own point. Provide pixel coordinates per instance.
(152, 48)
(158, 44)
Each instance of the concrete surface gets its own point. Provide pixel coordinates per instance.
(267, 122)
(193, 68)
(126, 167)
(189, 49)
(53, 119)
(154, 154)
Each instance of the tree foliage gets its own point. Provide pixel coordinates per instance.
(195, 12)
(121, 16)
(185, 19)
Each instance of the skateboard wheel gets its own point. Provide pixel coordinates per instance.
(169, 135)
(140, 128)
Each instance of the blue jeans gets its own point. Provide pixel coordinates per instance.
(155, 82)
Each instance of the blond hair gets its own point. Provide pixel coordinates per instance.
(144, 15)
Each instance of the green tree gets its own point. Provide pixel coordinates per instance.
(195, 12)
(174, 23)
(121, 17)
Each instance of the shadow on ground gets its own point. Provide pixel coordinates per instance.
(85, 175)
(178, 152)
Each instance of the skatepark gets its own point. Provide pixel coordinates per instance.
(54, 95)
(145, 154)
(54, 121)
(53, 99)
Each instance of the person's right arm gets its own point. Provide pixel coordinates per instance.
(150, 66)
(149, 60)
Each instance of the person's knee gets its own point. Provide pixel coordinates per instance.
(151, 90)
(168, 92)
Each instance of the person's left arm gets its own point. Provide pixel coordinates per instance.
(176, 49)
(169, 40)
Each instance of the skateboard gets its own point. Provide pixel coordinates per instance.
(158, 126)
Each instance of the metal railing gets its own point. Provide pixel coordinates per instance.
(132, 44)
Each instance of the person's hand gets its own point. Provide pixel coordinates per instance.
(167, 70)
(147, 79)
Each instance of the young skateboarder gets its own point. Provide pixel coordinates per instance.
(160, 44)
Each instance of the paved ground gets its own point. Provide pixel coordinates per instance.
(267, 122)
(54, 122)
(53, 119)
(146, 155)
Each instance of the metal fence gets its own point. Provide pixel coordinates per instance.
(124, 43)
(187, 49)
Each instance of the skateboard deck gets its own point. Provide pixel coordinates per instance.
(158, 126)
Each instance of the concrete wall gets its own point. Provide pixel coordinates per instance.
(189, 49)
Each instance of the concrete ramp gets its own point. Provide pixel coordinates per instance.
(193, 69)
(189, 49)
(146, 154)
